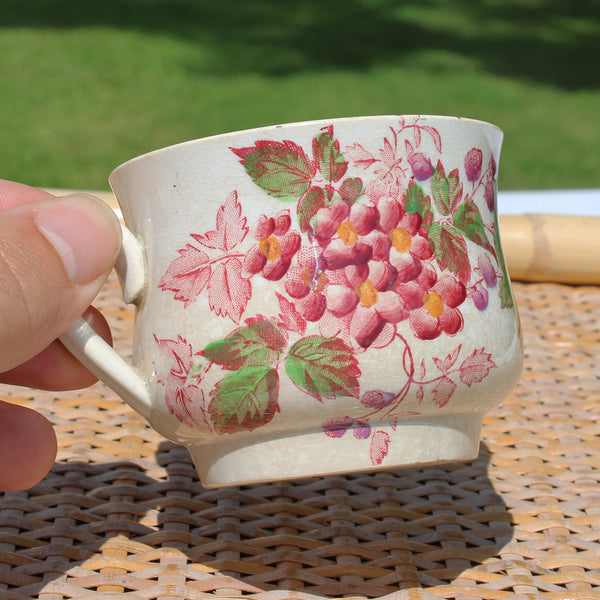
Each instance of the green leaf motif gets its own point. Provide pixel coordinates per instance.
(245, 399)
(330, 161)
(417, 202)
(450, 250)
(259, 343)
(497, 241)
(281, 169)
(351, 189)
(467, 220)
(324, 367)
(446, 191)
(506, 297)
(308, 206)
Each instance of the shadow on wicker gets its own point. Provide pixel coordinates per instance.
(137, 529)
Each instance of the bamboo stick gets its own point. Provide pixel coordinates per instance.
(552, 248)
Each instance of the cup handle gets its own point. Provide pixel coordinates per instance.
(98, 356)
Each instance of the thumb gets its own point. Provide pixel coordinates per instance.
(55, 254)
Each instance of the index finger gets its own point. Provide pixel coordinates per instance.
(15, 194)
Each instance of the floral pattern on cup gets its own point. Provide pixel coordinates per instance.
(376, 239)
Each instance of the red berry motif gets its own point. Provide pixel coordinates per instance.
(421, 166)
(473, 162)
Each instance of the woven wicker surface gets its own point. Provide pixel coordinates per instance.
(122, 513)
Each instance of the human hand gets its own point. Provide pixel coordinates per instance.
(55, 254)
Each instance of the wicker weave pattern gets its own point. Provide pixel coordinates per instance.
(123, 515)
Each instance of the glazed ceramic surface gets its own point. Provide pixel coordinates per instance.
(319, 297)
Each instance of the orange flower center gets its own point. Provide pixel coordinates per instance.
(315, 280)
(347, 233)
(433, 303)
(270, 247)
(367, 293)
(401, 239)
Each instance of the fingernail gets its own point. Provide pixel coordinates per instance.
(84, 232)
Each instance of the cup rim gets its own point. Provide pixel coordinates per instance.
(297, 124)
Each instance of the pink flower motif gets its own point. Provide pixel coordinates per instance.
(435, 307)
(409, 248)
(473, 162)
(306, 282)
(360, 303)
(328, 219)
(364, 316)
(276, 247)
(368, 323)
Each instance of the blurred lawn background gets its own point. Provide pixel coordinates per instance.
(88, 85)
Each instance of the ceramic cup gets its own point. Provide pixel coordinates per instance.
(315, 298)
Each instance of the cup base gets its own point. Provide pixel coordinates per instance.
(411, 443)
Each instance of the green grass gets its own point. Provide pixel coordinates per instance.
(86, 86)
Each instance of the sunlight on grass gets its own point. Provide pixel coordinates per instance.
(83, 94)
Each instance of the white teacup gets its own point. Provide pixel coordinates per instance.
(315, 298)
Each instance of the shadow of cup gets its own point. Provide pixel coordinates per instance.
(363, 534)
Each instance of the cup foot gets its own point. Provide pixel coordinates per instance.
(411, 443)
